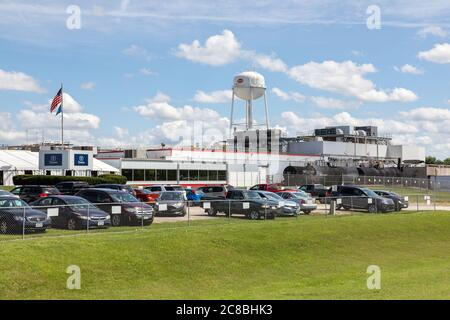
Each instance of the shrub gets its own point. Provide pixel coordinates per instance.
(52, 180)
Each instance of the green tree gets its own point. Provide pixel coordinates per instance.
(430, 160)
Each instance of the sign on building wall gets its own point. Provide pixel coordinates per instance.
(53, 159)
(81, 160)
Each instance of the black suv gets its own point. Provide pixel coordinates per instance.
(248, 203)
(71, 187)
(33, 193)
(122, 206)
(399, 201)
(120, 187)
(353, 197)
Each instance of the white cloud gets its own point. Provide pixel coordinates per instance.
(19, 81)
(220, 96)
(8, 132)
(427, 114)
(158, 107)
(407, 68)
(268, 62)
(137, 51)
(347, 78)
(331, 103)
(432, 31)
(87, 85)
(147, 72)
(121, 132)
(439, 54)
(217, 50)
(286, 96)
(77, 124)
(223, 49)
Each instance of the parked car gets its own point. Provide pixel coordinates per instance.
(317, 191)
(269, 187)
(215, 192)
(306, 202)
(145, 195)
(194, 196)
(248, 203)
(400, 202)
(156, 190)
(73, 212)
(6, 193)
(171, 203)
(123, 208)
(71, 187)
(290, 208)
(354, 197)
(120, 187)
(12, 213)
(33, 193)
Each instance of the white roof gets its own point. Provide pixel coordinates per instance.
(28, 160)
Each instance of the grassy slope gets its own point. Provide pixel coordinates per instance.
(311, 257)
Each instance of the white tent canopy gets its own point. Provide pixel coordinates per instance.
(14, 162)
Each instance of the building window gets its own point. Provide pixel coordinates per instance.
(184, 175)
(222, 175)
(161, 175)
(150, 175)
(138, 175)
(203, 175)
(28, 172)
(193, 175)
(128, 173)
(172, 175)
(213, 175)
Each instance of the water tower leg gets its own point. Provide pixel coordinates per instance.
(267, 111)
(250, 110)
(232, 114)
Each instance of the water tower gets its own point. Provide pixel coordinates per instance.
(249, 86)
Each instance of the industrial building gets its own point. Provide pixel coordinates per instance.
(252, 153)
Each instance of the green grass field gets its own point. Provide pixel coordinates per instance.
(304, 258)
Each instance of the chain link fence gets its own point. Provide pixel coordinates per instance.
(432, 183)
(21, 221)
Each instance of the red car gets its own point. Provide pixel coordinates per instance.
(145, 195)
(269, 187)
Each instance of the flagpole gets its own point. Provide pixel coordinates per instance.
(62, 116)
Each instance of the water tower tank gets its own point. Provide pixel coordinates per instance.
(249, 85)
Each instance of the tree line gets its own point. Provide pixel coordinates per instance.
(433, 160)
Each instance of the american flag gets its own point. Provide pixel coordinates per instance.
(56, 101)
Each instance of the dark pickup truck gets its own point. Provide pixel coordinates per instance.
(316, 190)
(248, 203)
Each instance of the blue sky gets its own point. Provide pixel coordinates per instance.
(146, 72)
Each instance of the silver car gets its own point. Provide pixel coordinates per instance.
(306, 202)
(171, 203)
(290, 208)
